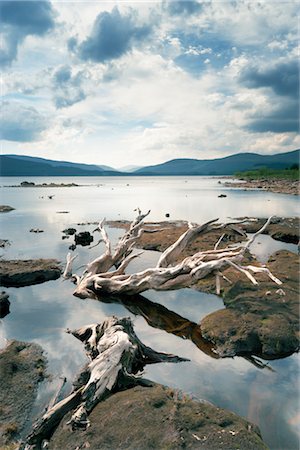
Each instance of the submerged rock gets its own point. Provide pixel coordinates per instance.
(158, 417)
(17, 273)
(22, 367)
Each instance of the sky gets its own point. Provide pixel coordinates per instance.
(139, 83)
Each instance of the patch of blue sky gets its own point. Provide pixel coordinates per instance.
(25, 98)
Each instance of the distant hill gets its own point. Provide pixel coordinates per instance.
(222, 166)
(15, 165)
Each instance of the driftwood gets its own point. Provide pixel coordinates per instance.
(116, 356)
(97, 279)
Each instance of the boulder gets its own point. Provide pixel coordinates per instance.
(262, 320)
(83, 238)
(157, 417)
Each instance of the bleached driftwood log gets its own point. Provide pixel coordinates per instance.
(117, 356)
(97, 280)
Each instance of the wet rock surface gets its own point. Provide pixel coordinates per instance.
(17, 273)
(43, 185)
(4, 304)
(6, 208)
(4, 243)
(22, 367)
(83, 238)
(281, 228)
(158, 417)
(262, 319)
(69, 231)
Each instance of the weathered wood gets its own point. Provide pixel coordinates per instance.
(116, 356)
(98, 280)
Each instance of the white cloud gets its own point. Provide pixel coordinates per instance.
(142, 107)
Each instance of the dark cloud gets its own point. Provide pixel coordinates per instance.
(282, 119)
(20, 123)
(112, 36)
(20, 19)
(68, 88)
(283, 78)
(188, 7)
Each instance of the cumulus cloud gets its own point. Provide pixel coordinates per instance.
(112, 36)
(20, 19)
(175, 7)
(283, 118)
(283, 78)
(67, 86)
(21, 123)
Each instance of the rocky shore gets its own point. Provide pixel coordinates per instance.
(258, 320)
(273, 185)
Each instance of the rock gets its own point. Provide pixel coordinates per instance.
(17, 273)
(69, 231)
(4, 243)
(281, 228)
(83, 238)
(258, 319)
(288, 237)
(158, 417)
(22, 367)
(6, 208)
(36, 230)
(27, 184)
(4, 304)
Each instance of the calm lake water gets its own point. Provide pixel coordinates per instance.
(41, 313)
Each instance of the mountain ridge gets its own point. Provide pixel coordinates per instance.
(19, 165)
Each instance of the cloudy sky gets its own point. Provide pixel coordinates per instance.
(123, 83)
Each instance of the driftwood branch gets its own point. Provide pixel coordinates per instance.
(99, 280)
(116, 358)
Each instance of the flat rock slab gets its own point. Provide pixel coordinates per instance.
(22, 367)
(17, 273)
(6, 208)
(261, 320)
(158, 417)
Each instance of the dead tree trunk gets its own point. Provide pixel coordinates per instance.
(98, 281)
(116, 357)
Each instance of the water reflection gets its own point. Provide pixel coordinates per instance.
(41, 313)
(158, 316)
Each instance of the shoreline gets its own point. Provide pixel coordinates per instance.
(280, 186)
